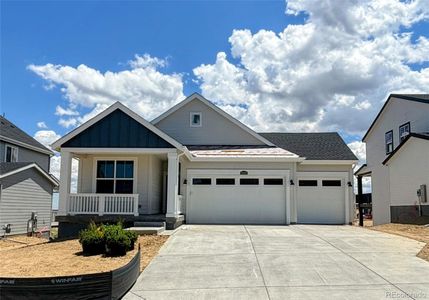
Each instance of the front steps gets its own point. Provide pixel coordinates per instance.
(148, 227)
(146, 230)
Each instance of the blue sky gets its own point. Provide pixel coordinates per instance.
(105, 35)
(263, 78)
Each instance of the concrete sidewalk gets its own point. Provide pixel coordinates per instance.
(284, 262)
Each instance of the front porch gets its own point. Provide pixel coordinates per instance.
(105, 185)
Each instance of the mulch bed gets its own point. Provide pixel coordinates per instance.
(416, 232)
(65, 258)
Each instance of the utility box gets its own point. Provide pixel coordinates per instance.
(422, 194)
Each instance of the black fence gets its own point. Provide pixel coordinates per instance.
(107, 285)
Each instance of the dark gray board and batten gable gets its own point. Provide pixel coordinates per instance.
(117, 130)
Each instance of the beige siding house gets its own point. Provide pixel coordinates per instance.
(197, 164)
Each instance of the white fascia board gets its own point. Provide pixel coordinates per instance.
(34, 165)
(215, 108)
(329, 162)
(120, 150)
(246, 159)
(117, 105)
(25, 145)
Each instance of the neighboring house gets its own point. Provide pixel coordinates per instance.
(25, 183)
(397, 158)
(196, 163)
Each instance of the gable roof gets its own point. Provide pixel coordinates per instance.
(9, 132)
(424, 136)
(313, 146)
(422, 98)
(215, 108)
(57, 144)
(10, 168)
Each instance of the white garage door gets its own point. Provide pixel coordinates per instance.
(321, 200)
(230, 198)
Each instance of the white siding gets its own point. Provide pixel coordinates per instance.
(396, 113)
(215, 129)
(22, 194)
(408, 169)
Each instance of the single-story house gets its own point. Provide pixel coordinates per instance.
(197, 164)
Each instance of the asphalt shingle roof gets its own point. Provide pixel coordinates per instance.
(312, 146)
(11, 131)
(6, 167)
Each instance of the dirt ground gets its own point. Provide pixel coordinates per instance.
(416, 232)
(19, 241)
(65, 258)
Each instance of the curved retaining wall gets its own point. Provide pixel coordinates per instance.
(107, 285)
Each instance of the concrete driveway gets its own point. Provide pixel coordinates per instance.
(284, 262)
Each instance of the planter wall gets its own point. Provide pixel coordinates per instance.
(107, 285)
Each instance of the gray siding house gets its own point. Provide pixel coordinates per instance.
(25, 183)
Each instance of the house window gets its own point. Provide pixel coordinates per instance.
(389, 141)
(195, 119)
(202, 181)
(404, 130)
(273, 181)
(307, 183)
(225, 181)
(115, 176)
(249, 181)
(331, 182)
(11, 154)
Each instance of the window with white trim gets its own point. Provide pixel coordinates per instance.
(115, 177)
(195, 119)
(11, 154)
(404, 130)
(389, 141)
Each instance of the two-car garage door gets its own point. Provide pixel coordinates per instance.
(261, 197)
(252, 197)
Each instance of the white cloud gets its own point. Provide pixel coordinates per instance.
(41, 125)
(359, 149)
(147, 61)
(46, 137)
(60, 111)
(143, 88)
(331, 73)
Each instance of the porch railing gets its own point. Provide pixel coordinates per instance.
(103, 204)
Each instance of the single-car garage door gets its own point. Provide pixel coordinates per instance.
(228, 197)
(321, 200)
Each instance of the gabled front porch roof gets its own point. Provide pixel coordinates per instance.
(116, 106)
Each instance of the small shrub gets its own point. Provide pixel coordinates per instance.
(92, 240)
(117, 240)
(133, 238)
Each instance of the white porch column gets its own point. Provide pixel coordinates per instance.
(172, 185)
(65, 178)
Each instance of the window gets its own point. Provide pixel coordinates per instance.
(331, 182)
(115, 176)
(273, 181)
(389, 141)
(404, 130)
(249, 181)
(201, 181)
(195, 120)
(11, 154)
(308, 183)
(225, 181)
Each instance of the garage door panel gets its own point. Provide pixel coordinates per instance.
(237, 204)
(323, 203)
